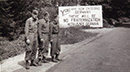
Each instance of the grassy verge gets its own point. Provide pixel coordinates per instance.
(67, 36)
(11, 48)
(74, 35)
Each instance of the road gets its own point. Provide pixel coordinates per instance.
(108, 53)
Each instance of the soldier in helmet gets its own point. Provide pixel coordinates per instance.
(31, 39)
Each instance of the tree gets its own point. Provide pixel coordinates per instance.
(13, 14)
(120, 7)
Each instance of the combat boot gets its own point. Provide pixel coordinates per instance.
(27, 64)
(44, 60)
(57, 55)
(54, 60)
(33, 63)
(39, 62)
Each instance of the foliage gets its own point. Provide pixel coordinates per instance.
(13, 13)
(120, 8)
(12, 48)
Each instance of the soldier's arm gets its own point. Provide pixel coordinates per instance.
(50, 31)
(27, 29)
(39, 29)
(58, 29)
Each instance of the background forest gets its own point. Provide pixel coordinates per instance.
(13, 13)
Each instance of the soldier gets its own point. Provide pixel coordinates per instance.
(43, 32)
(31, 39)
(55, 43)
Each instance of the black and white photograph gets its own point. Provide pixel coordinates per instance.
(64, 35)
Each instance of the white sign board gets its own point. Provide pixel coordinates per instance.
(71, 16)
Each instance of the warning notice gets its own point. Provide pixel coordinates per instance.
(73, 16)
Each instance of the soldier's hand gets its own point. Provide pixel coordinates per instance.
(51, 40)
(28, 41)
(42, 40)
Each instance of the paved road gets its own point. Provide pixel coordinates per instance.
(109, 53)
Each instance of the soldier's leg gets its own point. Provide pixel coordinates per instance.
(58, 50)
(45, 51)
(53, 48)
(34, 52)
(28, 55)
(40, 55)
(45, 47)
(27, 59)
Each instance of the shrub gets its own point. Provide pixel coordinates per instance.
(11, 48)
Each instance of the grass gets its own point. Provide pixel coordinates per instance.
(73, 35)
(11, 48)
(67, 36)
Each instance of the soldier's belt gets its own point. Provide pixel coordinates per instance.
(45, 32)
(32, 31)
(55, 32)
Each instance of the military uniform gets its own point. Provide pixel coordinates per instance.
(31, 34)
(55, 43)
(31, 46)
(43, 32)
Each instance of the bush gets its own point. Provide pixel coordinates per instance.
(11, 48)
